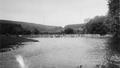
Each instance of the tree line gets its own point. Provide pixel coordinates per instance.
(15, 29)
(98, 25)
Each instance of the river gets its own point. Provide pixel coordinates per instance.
(65, 52)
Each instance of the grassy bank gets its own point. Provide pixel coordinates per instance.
(12, 41)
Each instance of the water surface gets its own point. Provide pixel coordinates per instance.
(65, 52)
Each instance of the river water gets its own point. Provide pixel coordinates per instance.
(65, 52)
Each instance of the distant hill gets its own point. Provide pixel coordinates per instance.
(32, 26)
(78, 28)
(75, 26)
(19, 27)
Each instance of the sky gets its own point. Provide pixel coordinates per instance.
(52, 12)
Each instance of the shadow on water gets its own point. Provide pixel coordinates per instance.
(112, 59)
(113, 52)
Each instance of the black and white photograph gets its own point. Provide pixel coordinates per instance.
(59, 33)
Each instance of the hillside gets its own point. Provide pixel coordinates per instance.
(75, 26)
(32, 26)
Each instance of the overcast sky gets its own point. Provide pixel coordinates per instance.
(52, 12)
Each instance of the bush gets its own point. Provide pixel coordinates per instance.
(69, 31)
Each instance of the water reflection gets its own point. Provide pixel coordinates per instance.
(21, 61)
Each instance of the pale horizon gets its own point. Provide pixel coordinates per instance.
(52, 12)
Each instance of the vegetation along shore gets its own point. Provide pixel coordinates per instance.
(10, 42)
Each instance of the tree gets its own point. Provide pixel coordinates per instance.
(114, 14)
(69, 31)
(36, 31)
(97, 25)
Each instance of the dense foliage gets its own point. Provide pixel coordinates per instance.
(69, 31)
(114, 15)
(97, 25)
(109, 24)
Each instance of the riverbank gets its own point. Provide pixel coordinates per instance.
(8, 42)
